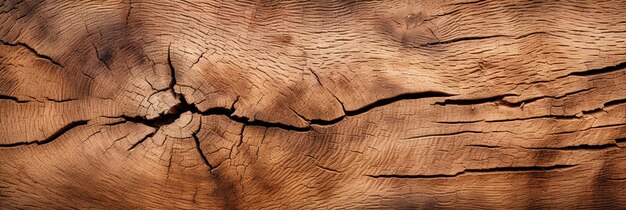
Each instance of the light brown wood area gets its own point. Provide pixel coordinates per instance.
(312, 104)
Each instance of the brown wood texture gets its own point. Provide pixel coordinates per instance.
(312, 104)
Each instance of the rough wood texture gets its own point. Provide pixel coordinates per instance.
(312, 104)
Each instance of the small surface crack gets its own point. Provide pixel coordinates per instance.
(328, 169)
(130, 7)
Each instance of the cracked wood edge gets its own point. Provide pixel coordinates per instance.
(306, 105)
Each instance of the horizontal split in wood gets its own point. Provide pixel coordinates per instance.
(50, 138)
(33, 51)
(528, 169)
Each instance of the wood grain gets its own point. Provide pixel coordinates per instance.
(312, 104)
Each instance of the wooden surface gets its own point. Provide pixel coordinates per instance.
(312, 104)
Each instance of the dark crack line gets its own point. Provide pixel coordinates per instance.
(130, 7)
(557, 117)
(12, 98)
(476, 101)
(100, 58)
(466, 3)
(590, 72)
(528, 169)
(183, 106)
(443, 134)
(61, 100)
(172, 70)
(50, 138)
(229, 112)
(461, 39)
(530, 100)
(577, 147)
(32, 50)
(380, 103)
(204, 158)
(499, 99)
(478, 38)
(319, 81)
(483, 146)
(328, 169)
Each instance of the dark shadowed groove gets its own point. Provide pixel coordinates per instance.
(527, 169)
(52, 137)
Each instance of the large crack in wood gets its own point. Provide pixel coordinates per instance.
(33, 51)
(578, 147)
(474, 101)
(12, 98)
(523, 169)
(50, 138)
(603, 70)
